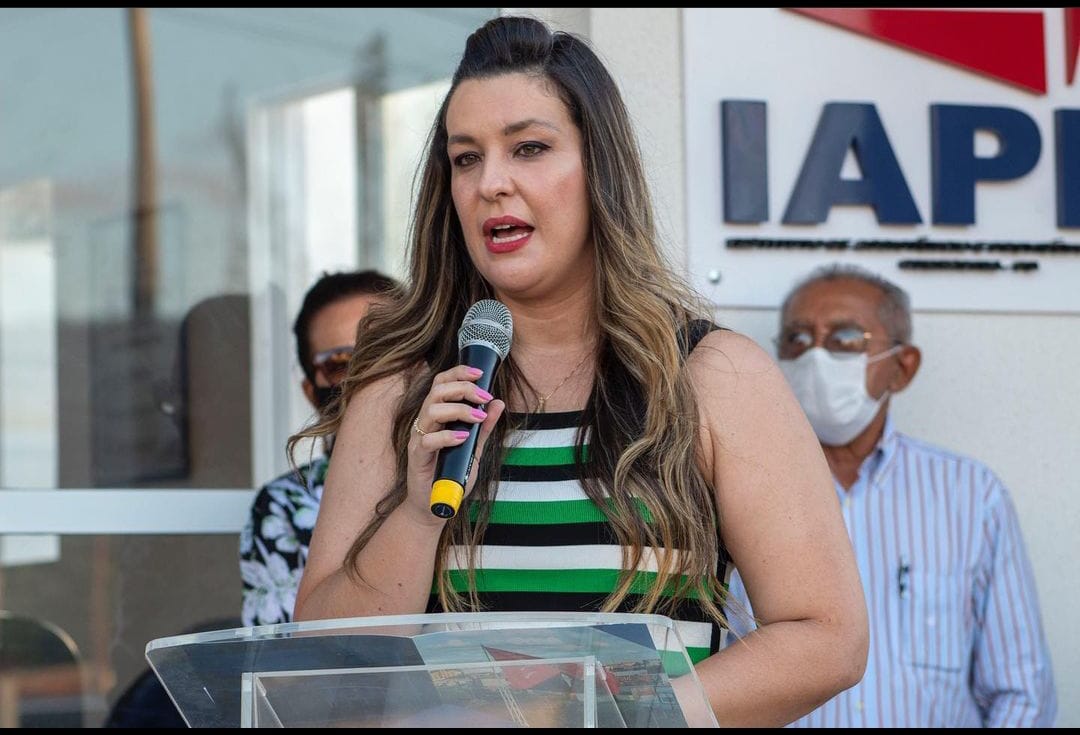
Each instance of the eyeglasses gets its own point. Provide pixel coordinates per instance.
(846, 340)
(333, 364)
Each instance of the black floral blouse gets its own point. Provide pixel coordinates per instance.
(274, 543)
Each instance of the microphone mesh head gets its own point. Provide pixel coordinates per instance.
(487, 322)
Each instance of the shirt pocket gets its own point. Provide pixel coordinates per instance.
(931, 622)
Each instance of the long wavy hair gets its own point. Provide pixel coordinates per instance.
(641, 416)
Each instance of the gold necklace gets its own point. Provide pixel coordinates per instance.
(541, 400)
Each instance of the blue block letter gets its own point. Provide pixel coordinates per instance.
(955, 168)
(743, 146)
(1067, 135)
(845, 126)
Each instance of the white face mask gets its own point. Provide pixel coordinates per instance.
(832, 392)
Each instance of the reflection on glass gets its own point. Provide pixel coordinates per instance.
(40, 674)
(259, 147)
(28, 352)
(110, 596)
(263, 147)
(145, 126)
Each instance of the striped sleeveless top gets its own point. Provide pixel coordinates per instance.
(548, 547)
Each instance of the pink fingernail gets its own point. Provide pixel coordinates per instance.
(475, 372)
(483, 395)
(461, 435)
(479, 414)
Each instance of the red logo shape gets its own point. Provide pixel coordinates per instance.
(1072, 42)
(1005, 45)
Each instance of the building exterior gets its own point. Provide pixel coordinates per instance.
(147, 381)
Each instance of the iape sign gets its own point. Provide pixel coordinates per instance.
(856, 127)
(937, 147)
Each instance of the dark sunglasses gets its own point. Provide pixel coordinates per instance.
(333, 364)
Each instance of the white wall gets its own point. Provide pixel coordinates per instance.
(998, 387)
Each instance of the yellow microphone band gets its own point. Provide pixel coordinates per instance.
(446, 498)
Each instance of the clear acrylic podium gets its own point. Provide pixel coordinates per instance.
(438, 670)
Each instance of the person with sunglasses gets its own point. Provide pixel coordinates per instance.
(274, 542)
(956, 638)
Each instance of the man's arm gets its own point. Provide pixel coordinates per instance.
(1011, 679)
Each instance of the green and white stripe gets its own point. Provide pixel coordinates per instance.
(548, 546)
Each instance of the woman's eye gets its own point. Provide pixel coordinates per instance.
(464, 159)
(531, 149)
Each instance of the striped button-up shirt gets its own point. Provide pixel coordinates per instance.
(956, 639)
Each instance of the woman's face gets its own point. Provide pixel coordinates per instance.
(519, 187)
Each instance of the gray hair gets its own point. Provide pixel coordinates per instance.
(895, 309)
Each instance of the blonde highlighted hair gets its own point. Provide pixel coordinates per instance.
(642, 412)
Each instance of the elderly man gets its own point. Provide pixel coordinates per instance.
(956, 638)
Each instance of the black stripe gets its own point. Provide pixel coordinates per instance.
(556, 420)
(687, 610)
(538, 473)
(560, 534)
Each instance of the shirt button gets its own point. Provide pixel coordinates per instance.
(859, 705)
(931, 621)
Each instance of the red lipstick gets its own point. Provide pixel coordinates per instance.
(506, 234)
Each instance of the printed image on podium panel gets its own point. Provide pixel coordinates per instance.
(503, 669)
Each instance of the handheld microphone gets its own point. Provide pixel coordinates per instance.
(483, 342)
